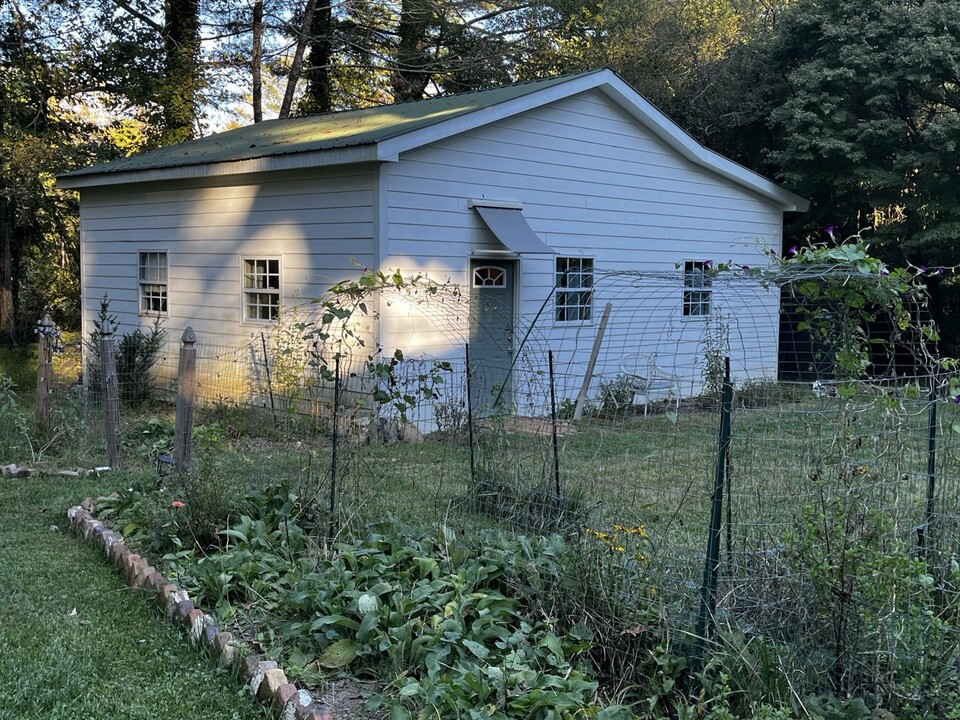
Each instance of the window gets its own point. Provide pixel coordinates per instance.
(696, 288)
(489, 276)
(261, 289)
(153, 282)
(574, 299)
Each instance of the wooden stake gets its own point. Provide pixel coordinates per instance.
(597, 341)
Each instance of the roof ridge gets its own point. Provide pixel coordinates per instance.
(477, 91)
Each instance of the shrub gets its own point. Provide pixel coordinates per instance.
(137, 354)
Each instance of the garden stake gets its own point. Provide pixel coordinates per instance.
(473, 461)
(708, 598)
(553, 425)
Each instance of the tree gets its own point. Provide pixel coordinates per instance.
(39, 254)
(857, 106)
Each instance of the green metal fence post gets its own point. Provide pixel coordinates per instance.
(708, 595)
(926, 534)
(473, 457)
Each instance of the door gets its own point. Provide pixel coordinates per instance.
(491, 334)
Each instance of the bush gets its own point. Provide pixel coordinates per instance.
(137, 354)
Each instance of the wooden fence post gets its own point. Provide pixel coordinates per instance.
(111, 397)
(45, 330)
(186, 400)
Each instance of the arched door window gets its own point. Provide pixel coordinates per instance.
(489, 276)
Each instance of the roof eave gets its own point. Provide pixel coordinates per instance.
(273, 163)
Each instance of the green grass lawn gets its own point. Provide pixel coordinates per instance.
(75, 641)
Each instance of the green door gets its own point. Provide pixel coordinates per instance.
(491, 334)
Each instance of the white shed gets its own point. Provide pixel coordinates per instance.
(522, 194)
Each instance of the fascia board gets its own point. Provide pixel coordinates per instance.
(293, 161)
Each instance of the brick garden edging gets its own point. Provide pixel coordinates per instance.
(264, 678)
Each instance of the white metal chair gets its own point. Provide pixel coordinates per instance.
(648, 380)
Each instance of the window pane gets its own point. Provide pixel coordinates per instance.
(152, 272)
(573, 299)
(153, 298)
(261, 283)
(696, 302)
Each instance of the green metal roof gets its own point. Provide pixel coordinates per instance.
(320, 132)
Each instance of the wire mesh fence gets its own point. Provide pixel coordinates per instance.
(830, 491)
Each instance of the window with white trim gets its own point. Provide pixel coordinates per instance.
(697, 288)
(153, 282)
(261, 289)
(573, 301)
(489, 276)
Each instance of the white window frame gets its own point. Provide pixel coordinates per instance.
(697, 301)
(256, 285)
(498, 282)
(153, 283)
(569, 285)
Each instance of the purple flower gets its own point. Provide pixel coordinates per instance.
(921, 267)
(793, 250)
(829, 230)
(956, 399)
(744, 267)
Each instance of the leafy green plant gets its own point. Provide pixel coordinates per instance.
(12, 420)
(842, 290)
(615, 395)
(716, 349)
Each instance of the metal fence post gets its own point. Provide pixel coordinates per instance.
(331, 527)
(473, 457)
(111, 398)
(186, 401)
(708, 598)
(46, 331)
(926, 533)
(553, 427)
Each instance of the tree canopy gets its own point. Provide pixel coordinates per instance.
(852, 103)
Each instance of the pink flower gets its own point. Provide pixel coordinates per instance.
(177, 504)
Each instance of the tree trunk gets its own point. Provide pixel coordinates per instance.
(410, 75)
(181, 43)
(256, 60)
(297, 64)
(8, 325)
(318, 97)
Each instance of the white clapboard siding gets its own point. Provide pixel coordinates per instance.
(592, 183)
(317, 224)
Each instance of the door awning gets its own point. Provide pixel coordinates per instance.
(511, 228)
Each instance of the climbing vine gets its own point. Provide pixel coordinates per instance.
(341, 336)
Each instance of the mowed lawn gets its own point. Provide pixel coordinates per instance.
(75, 641)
